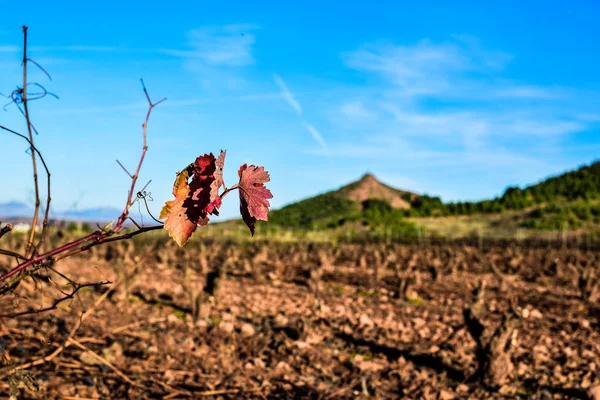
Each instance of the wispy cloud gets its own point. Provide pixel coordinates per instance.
(290, 99)
(525, 92)
(126, 107)
(9, 49)
(287, 95)
(386, 149)
(473, 98)
(218, 55)
(76, 49)
(260, 96)
(88, 49)
(318, 137)
(422, 69)
(461, 69)
(451, 105)
(356, 110)
(229, 45)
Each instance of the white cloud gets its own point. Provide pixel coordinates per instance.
(290, 99)
(76, 49)
(461, 69)
(318, 138)
(414, 155)
(229, 45)
(9, 49)
(287, 95)
(260, 96)
(422, 69)
(86, 48)
(549, 127)
(451, 104)
(355, 110)
(525, 92)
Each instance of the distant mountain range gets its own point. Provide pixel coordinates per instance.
(15, 210)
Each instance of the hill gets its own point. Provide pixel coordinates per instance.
(361, 204)
(582, 183)
(368, 187)
(570, 199)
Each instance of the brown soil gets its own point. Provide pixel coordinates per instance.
(304, 321)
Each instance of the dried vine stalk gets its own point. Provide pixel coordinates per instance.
(198, 191)
(31, 261)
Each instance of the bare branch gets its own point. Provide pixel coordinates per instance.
(124, 169)
(135, 176)
(95, 238)
(30, 247)
(54, 306)
(5, 229)
(80, 245)
(135, 223)
(48, 200)
(12, 254)
(103, 361)
(145, 186)
(40, 67)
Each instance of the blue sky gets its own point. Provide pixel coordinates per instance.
(459, 101)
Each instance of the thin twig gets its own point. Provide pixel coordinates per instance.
(34, 222)
(77, 246)
(5, 229)
(41, 68)
(66, 343)
(134, 179)
(102, 360)
(12, 254)
(54, 306)
(99, 236)
(215, 392)
(174, 391)
(145, 186)
(124, 169)
(108, 239)
(135, 223)
(75, 397)
(231, 189)
(138, 324)
(49, 199)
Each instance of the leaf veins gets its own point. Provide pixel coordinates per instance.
(254, 203)
(195, 198)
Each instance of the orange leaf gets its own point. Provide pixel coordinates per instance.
(193, 199)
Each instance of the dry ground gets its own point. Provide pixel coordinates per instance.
(304, 321)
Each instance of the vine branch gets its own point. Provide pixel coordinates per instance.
(30, 248)
(95, 238)
(55, 304)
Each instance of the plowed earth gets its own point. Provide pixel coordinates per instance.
(301, 321)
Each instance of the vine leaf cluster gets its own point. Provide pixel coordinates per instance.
(198, 190)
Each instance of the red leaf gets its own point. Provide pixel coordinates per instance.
(254, 204)
(215, 199)
(193, 199)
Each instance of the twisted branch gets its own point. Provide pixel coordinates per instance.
(54, 305)
(95, 238)
(32, 261)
